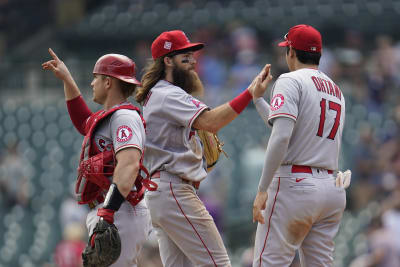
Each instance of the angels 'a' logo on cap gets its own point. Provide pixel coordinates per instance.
(167, 45)
(313, 48)
(124, 133)
(277, 102)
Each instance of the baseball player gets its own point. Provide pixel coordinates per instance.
(186, 232)
(298, 204)
(114, 142)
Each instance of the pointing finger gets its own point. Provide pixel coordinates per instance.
(53, 54)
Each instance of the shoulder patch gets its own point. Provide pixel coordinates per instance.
(124, 134)
(277, 102)
(194, 101)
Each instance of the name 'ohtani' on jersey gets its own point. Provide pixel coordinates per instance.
(327, 87)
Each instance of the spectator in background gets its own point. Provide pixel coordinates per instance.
(211, 66)
(68, 252)
(71, 212)
(366, 171)
(384, 69)
(15, 174)
(391, 218)
(245, 66)
(382, 248)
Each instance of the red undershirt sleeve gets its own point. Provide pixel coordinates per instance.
(79, 112)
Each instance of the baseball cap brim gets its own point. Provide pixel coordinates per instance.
(191, 47)
(129, 80)
(284, 43)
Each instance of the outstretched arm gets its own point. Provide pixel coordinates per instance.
(215, 119)
(77, 108)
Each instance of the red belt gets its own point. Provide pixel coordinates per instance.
(304, 169)
(196, 185)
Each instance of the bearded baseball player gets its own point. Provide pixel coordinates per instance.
(300, 203)
(187, 234)
(109, 174)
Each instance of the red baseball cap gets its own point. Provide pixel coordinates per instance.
(303, 37)
(171, 41)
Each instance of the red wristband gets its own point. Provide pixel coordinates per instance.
(240, 102)
(107, 214)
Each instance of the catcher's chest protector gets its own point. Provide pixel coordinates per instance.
(95, 167)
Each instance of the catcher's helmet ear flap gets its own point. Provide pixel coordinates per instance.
(117, 66)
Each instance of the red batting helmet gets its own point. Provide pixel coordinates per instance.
(117, 66)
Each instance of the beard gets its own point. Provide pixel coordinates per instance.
(188, 80)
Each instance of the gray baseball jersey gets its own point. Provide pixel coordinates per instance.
(317, 105)
(187, 234)
(172, 145)
(123, 129)
(304, 207)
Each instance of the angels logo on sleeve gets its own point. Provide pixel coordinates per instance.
(277, 102)
(196, 102)
(124, 134)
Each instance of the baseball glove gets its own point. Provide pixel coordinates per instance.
(104, 246)
(212, 148)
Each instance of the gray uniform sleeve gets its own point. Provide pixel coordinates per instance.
(276, 150)
(182, 108)
(284, 99)
(127, 130)
(263, 108)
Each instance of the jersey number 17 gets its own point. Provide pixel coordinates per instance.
(332, 106)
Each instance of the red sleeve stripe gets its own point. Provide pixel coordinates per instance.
(195, 116)
(282, 114)
(129, 145)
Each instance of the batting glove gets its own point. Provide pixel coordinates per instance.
(343, 179)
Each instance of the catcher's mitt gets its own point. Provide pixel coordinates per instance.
(212, 148)
(104, 246)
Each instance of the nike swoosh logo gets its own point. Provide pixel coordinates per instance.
(299, 179)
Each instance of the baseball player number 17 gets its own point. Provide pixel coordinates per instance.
(333, 106)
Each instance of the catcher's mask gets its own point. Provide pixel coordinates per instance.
(95, 170)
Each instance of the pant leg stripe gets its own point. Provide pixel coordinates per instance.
(209, 253)
(269, 220)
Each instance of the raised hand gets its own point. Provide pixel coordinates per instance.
(259, 85)
(61, 71)
(57, 66)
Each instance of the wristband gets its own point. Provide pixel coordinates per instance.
(106, 214)
(239, 103)
(114, 199)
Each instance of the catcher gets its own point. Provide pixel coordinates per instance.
(109, 173)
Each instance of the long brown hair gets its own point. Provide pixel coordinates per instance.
(153, 72)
